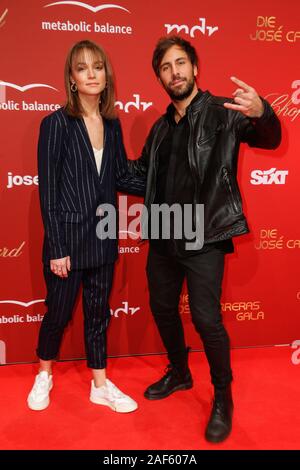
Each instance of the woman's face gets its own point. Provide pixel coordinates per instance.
(88, 72)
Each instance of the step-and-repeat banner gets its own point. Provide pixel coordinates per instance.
(258, 44)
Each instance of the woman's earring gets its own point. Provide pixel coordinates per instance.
(74, 87)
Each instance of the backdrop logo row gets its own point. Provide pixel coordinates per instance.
(136, 103)
(258, 177)
(124, 310)
(284, 104)
(246, 310)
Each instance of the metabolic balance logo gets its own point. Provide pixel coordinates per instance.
(26, 87)
(22, 105)
(84, 26)
(13, 318)
(3, 17)
(203, 28)
(23, 304)
(87, 6)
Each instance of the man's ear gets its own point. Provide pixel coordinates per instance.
(195, 70)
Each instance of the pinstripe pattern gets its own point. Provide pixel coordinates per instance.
(60, 300)
(71, 188)
(70, 191)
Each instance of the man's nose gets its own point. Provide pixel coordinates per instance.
(174, 70)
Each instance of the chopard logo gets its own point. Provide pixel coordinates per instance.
(105, 6)
(2, 18)
(26, 87)
(296, 354)
(286, 104)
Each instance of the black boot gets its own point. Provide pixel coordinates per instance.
(219, 425)
(173, 380)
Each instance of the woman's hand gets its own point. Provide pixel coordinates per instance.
(61, 266)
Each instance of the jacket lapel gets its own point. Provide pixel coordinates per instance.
(106, 151)
(86, 147)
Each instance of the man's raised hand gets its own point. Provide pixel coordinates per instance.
(246, 100)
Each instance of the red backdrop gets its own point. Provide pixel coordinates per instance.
(259, 44)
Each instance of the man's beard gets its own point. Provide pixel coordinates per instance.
(180, 95)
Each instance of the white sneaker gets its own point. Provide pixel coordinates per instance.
(38, 398)
(110, 395)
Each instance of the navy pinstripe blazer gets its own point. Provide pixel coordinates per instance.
(71, 189)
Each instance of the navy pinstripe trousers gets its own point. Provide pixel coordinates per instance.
(60, 301)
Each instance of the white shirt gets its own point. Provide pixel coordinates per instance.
(98, 158)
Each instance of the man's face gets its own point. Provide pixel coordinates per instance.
(177, 74)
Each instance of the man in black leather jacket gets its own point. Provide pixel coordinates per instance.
(190, 158)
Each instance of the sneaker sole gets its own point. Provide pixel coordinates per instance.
(41, 406)
(165, 395)
(99, 401)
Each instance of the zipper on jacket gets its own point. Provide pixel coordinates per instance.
(227, 181)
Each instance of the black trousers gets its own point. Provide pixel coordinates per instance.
(60, 300)
(204, 274)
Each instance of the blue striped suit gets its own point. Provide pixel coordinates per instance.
(70, 191)
(71, 188)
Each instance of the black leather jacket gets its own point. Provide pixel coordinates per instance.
(213, 147)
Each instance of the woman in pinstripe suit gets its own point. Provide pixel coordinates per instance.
(81, 164)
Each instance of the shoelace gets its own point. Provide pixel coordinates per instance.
(115, 391)
(40, 385)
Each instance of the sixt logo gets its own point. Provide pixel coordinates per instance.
(271, 176)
